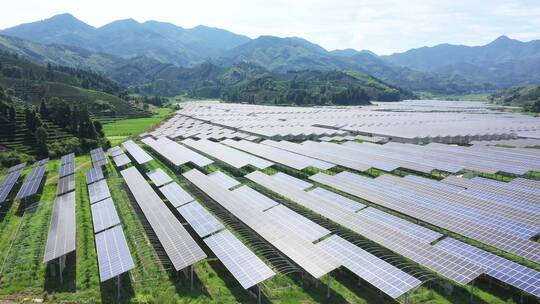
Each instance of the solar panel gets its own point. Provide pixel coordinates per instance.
(98, 157)
(243, 264)
(179, 246)
(233, 157)
(223, 179)
(66, 169)
(137, 152)
(305, 227)
(517, 275)
(176, 153)
(115, 151)
(7, 184)
(202, 221)
(16, 167)
(159, 177)
(390, 279)
(65, 184)
(114, 257)
(93, 175)
(257, 200)
(176, 195)
(32, 182)
(40, 162)
(62, 236)
(68, 158)
(104, 215)
(98, 191)
(121, 160)
(344, 202)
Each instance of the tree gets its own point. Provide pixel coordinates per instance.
(86, 126)
(41, 142)
(43, 109)
(99, 128)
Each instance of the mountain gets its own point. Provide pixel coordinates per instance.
(281, 55)
(128, 38)
(503, 62)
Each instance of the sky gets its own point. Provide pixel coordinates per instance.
(381, 26)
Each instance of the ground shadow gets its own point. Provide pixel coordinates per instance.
(110, 293)
(52, 282)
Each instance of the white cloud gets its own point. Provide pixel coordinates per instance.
(383, 26)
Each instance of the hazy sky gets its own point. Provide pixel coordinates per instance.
(382, 26)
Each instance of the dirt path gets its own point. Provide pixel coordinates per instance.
(54, 178)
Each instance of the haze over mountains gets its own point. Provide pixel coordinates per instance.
(145, 50)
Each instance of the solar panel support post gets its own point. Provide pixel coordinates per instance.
(258, 294)
(61, 266)
(328, 287)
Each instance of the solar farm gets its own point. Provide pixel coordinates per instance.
(237, 203)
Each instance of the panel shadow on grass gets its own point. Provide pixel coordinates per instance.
(52, 282)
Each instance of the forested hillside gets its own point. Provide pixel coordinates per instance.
(527, 97)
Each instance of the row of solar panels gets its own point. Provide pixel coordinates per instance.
(62, 229)
(10, 180)
(391, 156)
(242, 263)
(294, 235)
(33, 180)
(113, 254)
(456, 214)
(451, 258)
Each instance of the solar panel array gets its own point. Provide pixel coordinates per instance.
(98, 157)
(243, 264)
(294, 234)
(410, 121)
(223, 179)
(246, 267)
(469, 216)
(179, 246)
(514, 274)
(61, 239)
(140, 156)
(114, 257)
(377, 272)
(115, 151)
(175, 153)
(391, 237)
(98, 191)
(93, 175)
(33, 180)
(287, 158)
(40, 162)
(159, 177)
(233, 157)
(9, 181)
(289, 241)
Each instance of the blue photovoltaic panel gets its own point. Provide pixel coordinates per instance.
(61, 239)
(98, 191)
(114, 257)
(66, 169)
(65, 184)
(176, 195)
(68, 158)
(31, 183)
(16, 167)
(7, 184)
(517, 275)
(241, 262)
(202, 221)
(93, 175)
(104, 215)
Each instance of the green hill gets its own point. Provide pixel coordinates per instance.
(32, 82)
(527, 97)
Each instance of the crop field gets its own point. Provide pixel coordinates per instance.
(119, 130)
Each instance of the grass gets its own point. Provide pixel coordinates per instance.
(120, 130)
